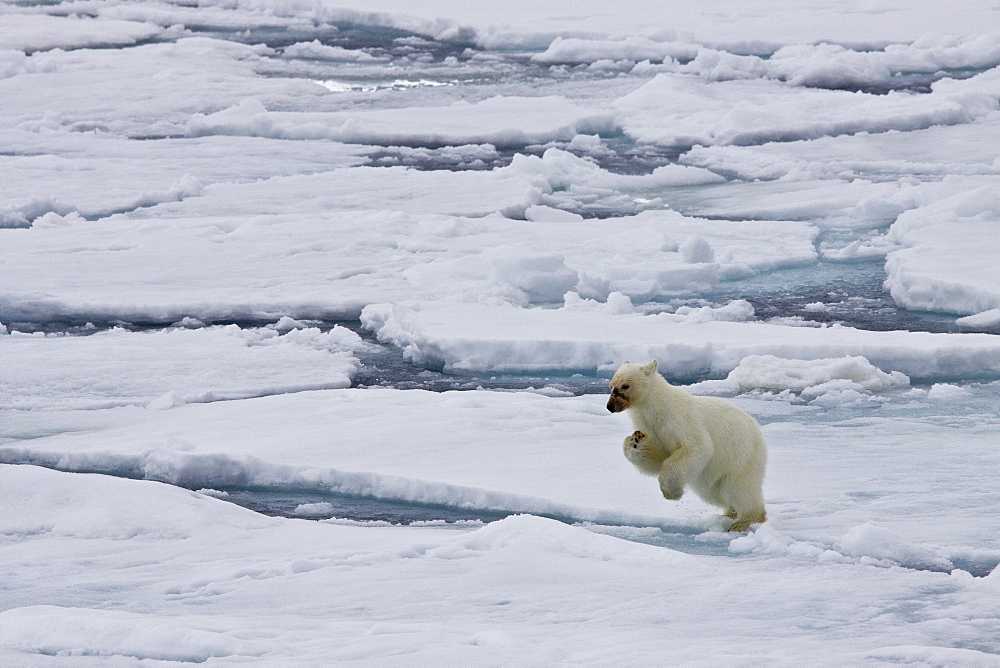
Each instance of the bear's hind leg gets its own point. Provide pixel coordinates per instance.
(743, 499)
(743, 522)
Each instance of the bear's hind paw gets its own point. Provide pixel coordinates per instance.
(740, 526)
(744, 523)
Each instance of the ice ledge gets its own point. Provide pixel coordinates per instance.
(475, 338)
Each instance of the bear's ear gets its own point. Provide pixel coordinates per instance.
(626, 362)
(650, 368)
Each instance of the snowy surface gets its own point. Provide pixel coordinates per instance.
(231, 231)
(118, 367)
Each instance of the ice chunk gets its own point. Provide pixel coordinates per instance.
(213, 492)
(695, 249)
(738, 310)
(946, 392)
(188, 323)
(617, 303)
(316, 50)
(171, 399)
(767, 372)
(987, 320)
(575, 50)
(286, 324)
(49, 211)
(313, 509)
(871, 247)
(840, 392)
(547, 214)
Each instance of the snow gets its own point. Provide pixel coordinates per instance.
(233, 231)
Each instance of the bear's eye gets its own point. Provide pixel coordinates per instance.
(624, 387)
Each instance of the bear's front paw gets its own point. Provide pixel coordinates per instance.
(634, 439)
(639, 449)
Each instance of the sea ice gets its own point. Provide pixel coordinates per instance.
(494, 188)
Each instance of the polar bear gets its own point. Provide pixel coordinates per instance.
(705, 442)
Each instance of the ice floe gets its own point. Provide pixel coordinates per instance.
(170, 367)
(690, 344)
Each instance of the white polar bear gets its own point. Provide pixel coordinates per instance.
(705, 442)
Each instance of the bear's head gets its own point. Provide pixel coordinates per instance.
(628, 383)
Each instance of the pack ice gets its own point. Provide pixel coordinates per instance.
(307, 311)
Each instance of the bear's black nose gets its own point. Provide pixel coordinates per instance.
(611, 406)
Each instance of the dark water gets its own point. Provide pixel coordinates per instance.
(851, 294)
(280, 503)
(617, 154)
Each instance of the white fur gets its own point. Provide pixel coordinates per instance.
(702, 442)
